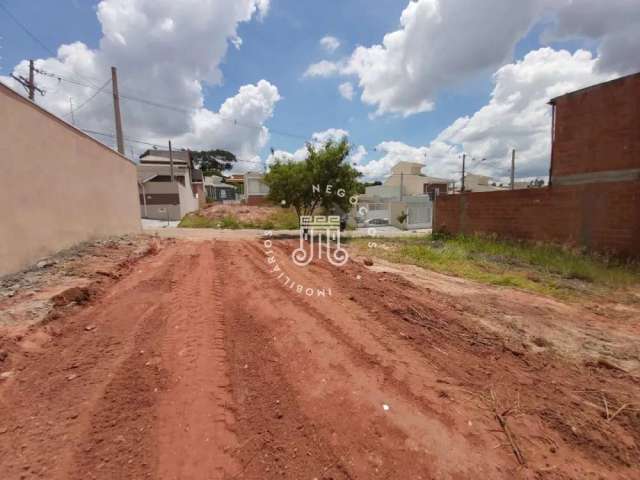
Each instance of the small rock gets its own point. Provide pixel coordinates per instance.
(3, 355)
(6, 375)
(45, 263)
(368, 262)
(74, 294)
(72, 376)
(88, 328)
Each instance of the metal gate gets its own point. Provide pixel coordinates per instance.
(419, 213)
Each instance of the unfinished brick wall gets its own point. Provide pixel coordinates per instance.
(598, 128)
(602, 217)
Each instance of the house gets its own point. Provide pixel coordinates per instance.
(169, 189)
(237, 180)
(217, 191)
(255, 190)
(407, 190)
(406, 179)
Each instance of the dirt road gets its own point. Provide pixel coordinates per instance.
(202, 363)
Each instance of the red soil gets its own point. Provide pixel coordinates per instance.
(200, 364)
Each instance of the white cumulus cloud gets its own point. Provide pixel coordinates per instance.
(346, 90)
(443, 43)
(317, 140)
(329, 43)
(323, 68)
(517, 116)
(138, 37)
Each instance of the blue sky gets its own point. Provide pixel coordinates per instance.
(280, 47)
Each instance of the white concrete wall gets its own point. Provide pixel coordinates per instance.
(188, 201)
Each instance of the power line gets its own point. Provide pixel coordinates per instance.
(174, 108)
(26, 30)
(154, 144)
(89, 99)
(32, 35)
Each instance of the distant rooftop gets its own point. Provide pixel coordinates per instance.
(182, 155)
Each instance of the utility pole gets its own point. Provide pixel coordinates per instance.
(464, 159)
(73, 119)
(401, 186)
(29, 83)
(513, 168)
(171, 161)
(116, 108)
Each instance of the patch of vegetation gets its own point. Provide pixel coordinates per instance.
(542, 268)
(280, 220)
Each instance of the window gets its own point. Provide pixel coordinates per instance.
(161, 179)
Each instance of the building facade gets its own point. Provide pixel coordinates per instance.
(168, 190)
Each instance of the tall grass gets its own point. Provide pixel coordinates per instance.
(542, 268)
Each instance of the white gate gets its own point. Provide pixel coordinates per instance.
(377, 211)
(419, 213)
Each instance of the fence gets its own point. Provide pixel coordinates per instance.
(58, 186)
(598, 216)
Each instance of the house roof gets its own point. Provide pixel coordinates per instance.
(160, 154)
(413, 164)
(436, 179)
(593, 87)
(144, 177)
(235, 178)
(145, 171)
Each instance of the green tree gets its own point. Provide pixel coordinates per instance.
(213, 162)
(324, 179)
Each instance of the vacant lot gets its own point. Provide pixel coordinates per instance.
(242, 217)
(542, 268)
(200, 362)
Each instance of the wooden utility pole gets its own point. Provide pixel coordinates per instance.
(464, 159)
(29, 83)
(171, 161)
(116, 108)
(401, 186)
(31, 79)
(513, 169)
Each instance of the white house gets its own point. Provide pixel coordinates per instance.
(255, 190)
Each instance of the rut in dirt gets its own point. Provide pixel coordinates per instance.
(200, 364)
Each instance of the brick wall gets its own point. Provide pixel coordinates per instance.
(603, 217)
(255, 200)
(597, 129)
